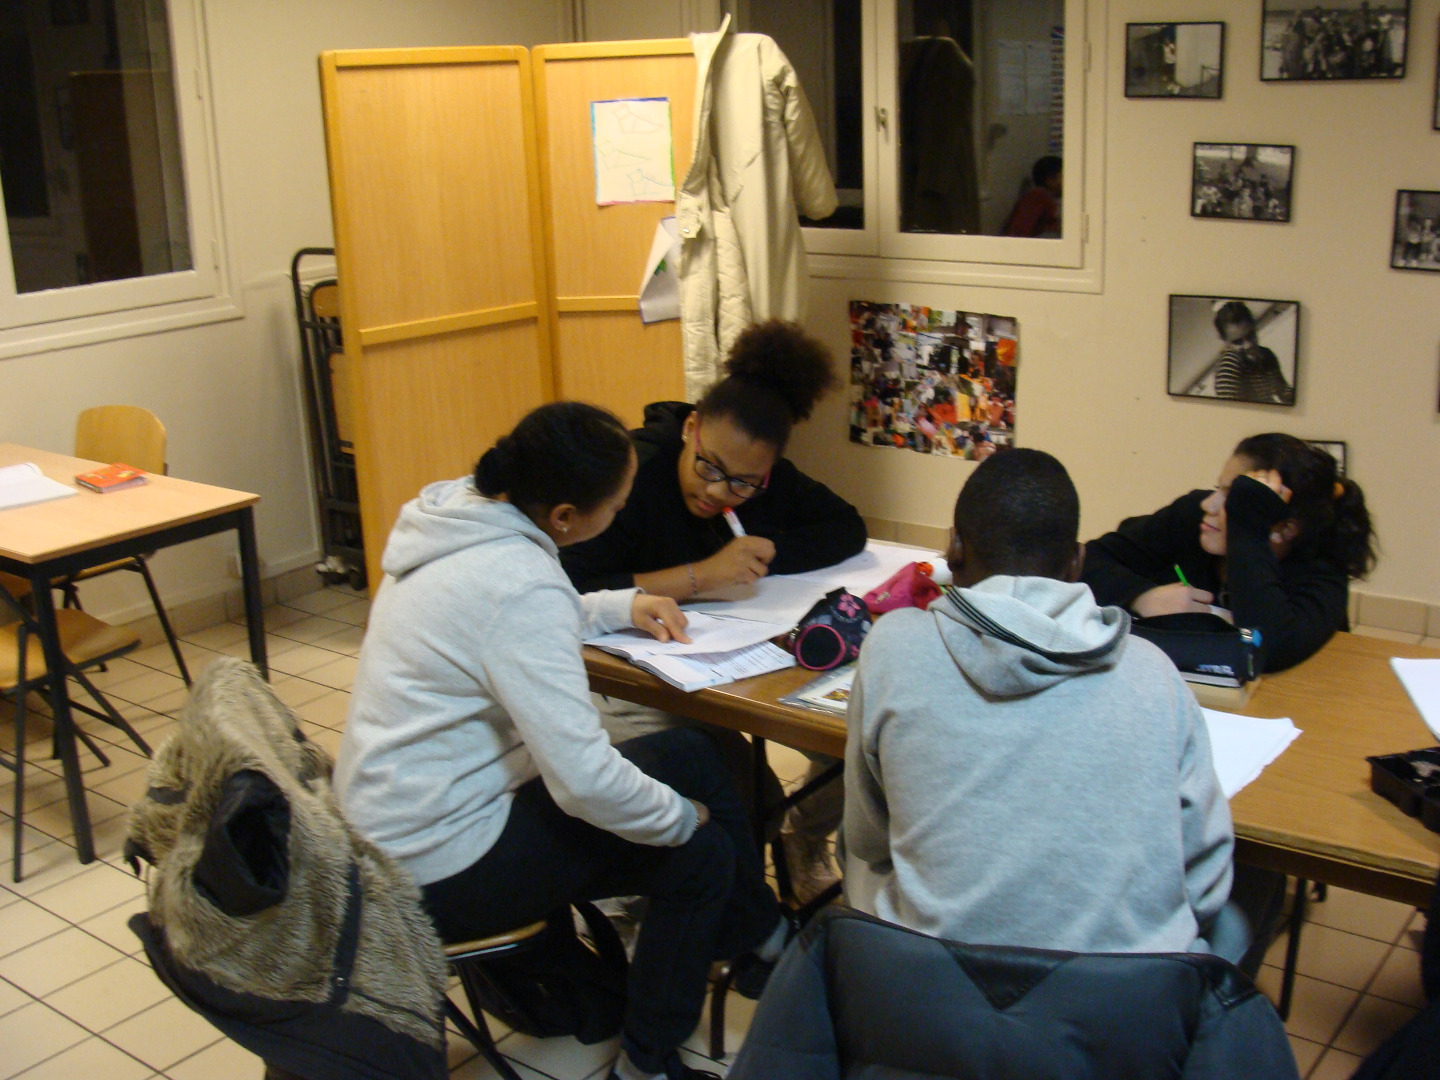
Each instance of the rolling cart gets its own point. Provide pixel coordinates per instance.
(317, 309)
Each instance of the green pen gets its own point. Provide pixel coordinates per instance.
(1181, 575)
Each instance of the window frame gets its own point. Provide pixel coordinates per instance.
(881, 250)
(85, 314)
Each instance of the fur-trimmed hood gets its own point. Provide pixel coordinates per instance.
(254, 866)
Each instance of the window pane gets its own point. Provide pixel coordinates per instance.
(981, 96)
(821, 38)
(89, 142)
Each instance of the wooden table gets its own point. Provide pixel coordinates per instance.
(53, 539)
(1311, 814)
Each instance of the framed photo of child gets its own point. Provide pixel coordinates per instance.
(1416, 242)
(1334, 39)
(1174, 60)
(1242, 181)
(1234, 348)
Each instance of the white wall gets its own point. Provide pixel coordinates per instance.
(1092, 367)
(229, 393)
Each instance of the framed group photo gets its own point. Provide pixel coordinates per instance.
(1234, 348)
(1242, 181)
(1174, 60)
(1416, 242)
(1334, 39)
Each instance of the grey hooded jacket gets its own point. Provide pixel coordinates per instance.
(1021, 771)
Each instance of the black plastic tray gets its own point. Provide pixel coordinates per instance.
(1395, 777)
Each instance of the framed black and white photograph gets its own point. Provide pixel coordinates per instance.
(1242, 181)
(1335, 448)
(1334, 39)
(1435, 116)
(1174, 60)
(1234, 348)
(1416, 243)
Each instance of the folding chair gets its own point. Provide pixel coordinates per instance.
(135, 436)
(86, 642)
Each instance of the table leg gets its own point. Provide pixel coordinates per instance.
(56, 664)
(250, 580)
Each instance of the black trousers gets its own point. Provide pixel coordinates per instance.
(708, 897)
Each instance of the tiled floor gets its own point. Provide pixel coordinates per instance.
(77, 999)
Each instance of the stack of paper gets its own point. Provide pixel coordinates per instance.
(721, 649)
(1421, 679)
(23, 484)
(1243, 745)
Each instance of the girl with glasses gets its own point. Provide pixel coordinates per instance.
(726, 452)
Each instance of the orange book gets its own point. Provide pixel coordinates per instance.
(115, 477)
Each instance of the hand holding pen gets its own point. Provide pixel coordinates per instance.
(1172, 599)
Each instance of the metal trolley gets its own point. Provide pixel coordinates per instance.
(317, 310)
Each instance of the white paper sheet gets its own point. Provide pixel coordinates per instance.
(1421, 679)
(634, 159)
(697, 671)
(1243, 745)
(786, 598)
(708, 634)
(660, 286)
(25, 484)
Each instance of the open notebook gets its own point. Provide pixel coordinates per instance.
(24, 484)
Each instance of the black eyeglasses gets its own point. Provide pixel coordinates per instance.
(711, 473)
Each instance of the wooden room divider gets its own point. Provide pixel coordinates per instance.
(478, 276)
(602, 351)
(435, 191)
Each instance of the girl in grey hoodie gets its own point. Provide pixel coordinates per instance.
(474, 757)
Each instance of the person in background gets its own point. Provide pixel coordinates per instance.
(726, 453)
(474, 757)
(1247, 370)
(1037, 211)
(1019, 770)
(1276, 542)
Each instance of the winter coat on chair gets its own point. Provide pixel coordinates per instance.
(757, 156)
(268, 914)
(857, 997)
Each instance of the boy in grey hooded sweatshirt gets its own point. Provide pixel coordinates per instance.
(1019, 770)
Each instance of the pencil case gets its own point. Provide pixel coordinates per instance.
(910, 586)
(1411, 781)
(1201, 643)
(831, 632)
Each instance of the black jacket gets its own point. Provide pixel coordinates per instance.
(855, 997)
(1296, 603)
(810, 525)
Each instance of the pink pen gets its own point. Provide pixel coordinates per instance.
(733, 521)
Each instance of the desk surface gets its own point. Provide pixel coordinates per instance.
(41, 531)
(1311, 813)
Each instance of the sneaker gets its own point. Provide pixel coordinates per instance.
(812, 868)
(750, 973)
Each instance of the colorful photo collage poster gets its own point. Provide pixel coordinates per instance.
(932, 381)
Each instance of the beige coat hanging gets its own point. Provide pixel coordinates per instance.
(758, 155)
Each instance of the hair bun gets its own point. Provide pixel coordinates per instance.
(785, 359)
(495, 472)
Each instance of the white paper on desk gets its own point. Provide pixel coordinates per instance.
(708, 634)
(1421, 679)
(1243, 745)
(25, 484)
(699, 670)
(660, 287)
(786, 598)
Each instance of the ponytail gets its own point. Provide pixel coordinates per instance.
(1330, 509)
(564, 452)
(774, 376)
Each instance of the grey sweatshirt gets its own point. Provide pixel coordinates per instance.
(470, 683)
(1020, 771)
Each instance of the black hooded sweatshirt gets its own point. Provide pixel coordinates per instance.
(810, 525)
